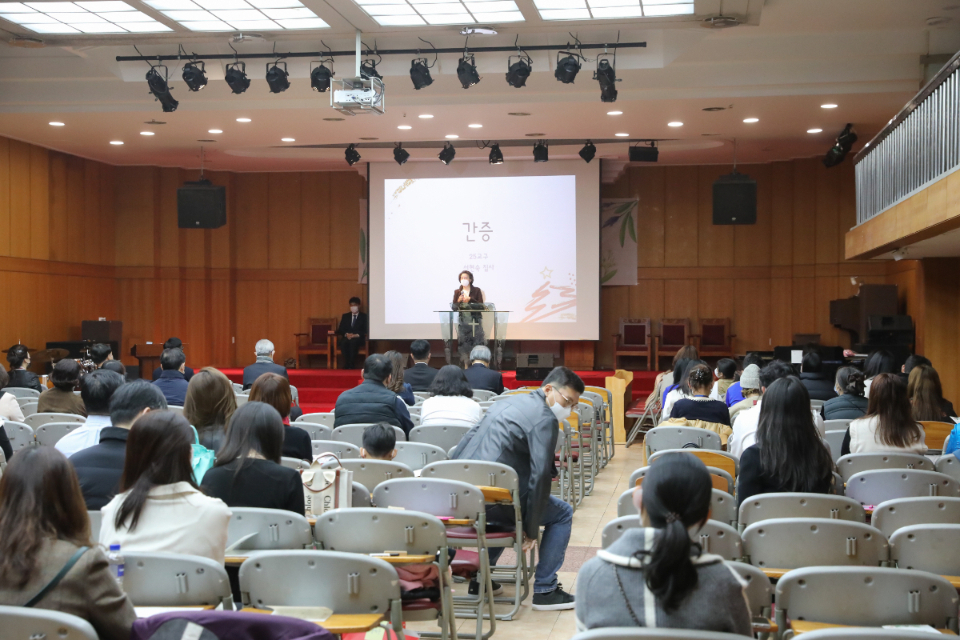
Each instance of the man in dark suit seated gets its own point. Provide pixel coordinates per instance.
(171, 382)
(819, 385)
(420, 376)
(264, 364)
(371, 401)
(19, 358)
(353, 331)
(173, 343)
(479, 374)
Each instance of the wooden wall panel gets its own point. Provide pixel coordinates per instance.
(39, 203)
(715, 242)
(19, 199)
(284, 220)
(648, 187)
(5, 201)
(76, 210)
(681, 229)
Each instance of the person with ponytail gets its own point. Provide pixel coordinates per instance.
(698, 405)
(655, 575)
(682, 390)
(850, 403)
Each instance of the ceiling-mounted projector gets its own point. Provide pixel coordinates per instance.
(352, 96)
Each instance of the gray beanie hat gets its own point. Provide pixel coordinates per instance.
(750, 378)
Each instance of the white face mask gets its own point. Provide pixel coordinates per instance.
(465, 283)
(561, 412)
(354, 309)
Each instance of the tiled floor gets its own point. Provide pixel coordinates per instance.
(595, 511)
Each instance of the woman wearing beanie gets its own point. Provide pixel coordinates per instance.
(750, 388)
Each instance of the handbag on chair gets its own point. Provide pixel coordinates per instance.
(326, 489)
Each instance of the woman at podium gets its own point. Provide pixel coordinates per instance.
(466, 293)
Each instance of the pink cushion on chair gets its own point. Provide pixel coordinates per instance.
(466, 563)
(422, 604)
(468, 533)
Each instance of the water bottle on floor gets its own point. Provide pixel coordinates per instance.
(115, 558)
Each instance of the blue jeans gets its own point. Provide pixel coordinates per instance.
(557, 522)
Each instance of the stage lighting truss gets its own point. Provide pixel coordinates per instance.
(351, 155)
(236, 77)
(606, 76)
(320, 75)
(496, 157)
(277, 77)
(160, 89)
(588, 152)
(447, 154)
(195, 75)
(400, 154)
(467, 70)
(519, 71)
(540, 152)
(567, 67)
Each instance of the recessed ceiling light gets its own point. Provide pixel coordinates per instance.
(215, 131)
(829, 105)
(116, 142)
(287, 140)
(622, 135)
(675, 124)
(425, 116)
(146, 133)
(452, 136)
(243, 119)
(56, 124)
(814, 130)
(614, 113)
(475, 126)
(751, 120)
(404, 127)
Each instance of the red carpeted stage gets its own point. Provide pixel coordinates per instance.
(319, 388)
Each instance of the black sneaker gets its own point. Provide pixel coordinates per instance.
(555, 600)
(474, 588)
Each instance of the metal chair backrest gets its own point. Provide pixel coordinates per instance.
(719, 538)
(242, 399)
(175, 580)
(29, 408)
(892, 515)
(874, 487)
(294, 463)
(316, 430)
(438, 497)
(361, 495)
(482, 394)
(613, 530)
(96, 521)
(326, 419)
(22, 623)
(759, 591)
(370, 473)
(252, 528)
(175, 408)
(767, 506)
(20, 435)
(853, 463)
(719, 459)
(722, 504)
(927, 547)
(443, 436)
(343, 450)
(22, 392)
(639, 633)
(816, 404)
(372, 530)
(38, 419)
(353, 433)
(347, 583)
(789, 543)
(834, 440)
(417, 455)
(475, 472)
(948, 464)
(50, 433)
(668, 437)
(862, 633)
(837, 425)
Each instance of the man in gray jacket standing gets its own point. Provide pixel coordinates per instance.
(522, 433)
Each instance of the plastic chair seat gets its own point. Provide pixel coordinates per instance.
(468, 533)
(423, 604)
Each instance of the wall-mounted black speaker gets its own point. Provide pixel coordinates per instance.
(735, 199)
(201, 205)
(644, 154)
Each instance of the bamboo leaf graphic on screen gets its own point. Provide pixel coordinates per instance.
(630, 228)
(624, 208)
(610, 222)
(623, 230)
(363, 247)
(607, 276)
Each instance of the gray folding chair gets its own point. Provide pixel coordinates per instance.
(417, 455)
(719, 539)
(722, 458)
(38, 419)
(948, 465)
(242, 399)
(789, 543)
(863, 633)
(893, 515)
(834, 440)
(722, 504)
(669, 437)
(927, 547)
(836, 425)
(294, 463)
(759, 593)
(853, 463)
(353, 433)
(96, 520)
(29, 408)
(20, 435)
(731, 484)
(862, 596)
(317, 431)
(347, 583)
(640, 633)
(22, 392)
(343, 450)
(326, 419)
(874, 487)
(370, 473)
(816, 404)
(175, 580)
(443, 436)
(766, 506)
(22, 623)
(370, 530)
(361, 495)
(50, 433)
(252, 528)
(27, 400)
(482, 395)
(613, 530)
(175, 408)
(422, 394)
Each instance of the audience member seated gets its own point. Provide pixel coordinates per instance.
(926, 396)
(9, 407)
(174, 343)
(19, 359)
(209, 404)
(421, 374)
(44, 529)
(96, 390)
(372, 401)
(734, 393)
(479, 374)
(726, 371)
(265, 351)
(379, 442)
(397, 385)
(812, 376)
(682, 390)
(889, 425)
(452, 400)
(749, 391)
(745, 429)
(352, 330)
(61, 398)
(676, 377)
(248, 472)
(665, 378)
(913, 360)
(655, 576)
(521, 432)
(849, 403)
(878, 362)
(274, 390)
(117, 367)
(789, 454)
(699, 406)
(100, 354)
(161, 507)
(99, 467)
(172, 382)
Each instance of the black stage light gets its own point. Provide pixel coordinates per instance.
(420, 73)
(160, 89)
(607, 77)
(236, 77)
(400, 154)
(588, 152)
(195, 75)
(519, 71)
(567, 68)
(839, 151)
(495, 156)
(648, 153)
(277, 77)
(540, 152)
(467, 71)
(320, 78)
(447, 153)
(352, 155)
(368, 69)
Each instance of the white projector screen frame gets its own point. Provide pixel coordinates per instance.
(585, 326)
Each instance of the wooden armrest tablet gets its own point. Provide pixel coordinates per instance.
(459, 522)
(802, 626)
(496, 494)
(763, 625)
(411, 559)
(775, 574)
(340, 623)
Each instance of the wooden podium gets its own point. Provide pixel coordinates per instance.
(149, 357)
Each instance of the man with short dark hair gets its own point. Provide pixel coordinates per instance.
(174, 343)
(96, 390)
(101, 353)
(479, 374)
(264, 350)
(379, 442)
(99, 467)
(420, 376)
(521, 432)
(819, 386)
(371, 400)
(172, 382)
(353, 331)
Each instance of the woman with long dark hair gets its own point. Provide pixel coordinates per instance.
(452, 400)
(209, 404)
(43, 527)
(160, 507)
(789, 454)
(397, 385)
(850, 403)
(889, 425)
(274, 390)
(655, 576)
(881, 361)
(926, 395)
(248, 471)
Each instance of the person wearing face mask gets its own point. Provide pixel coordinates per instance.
(353, 333)
(521, 432)
(466, 292)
